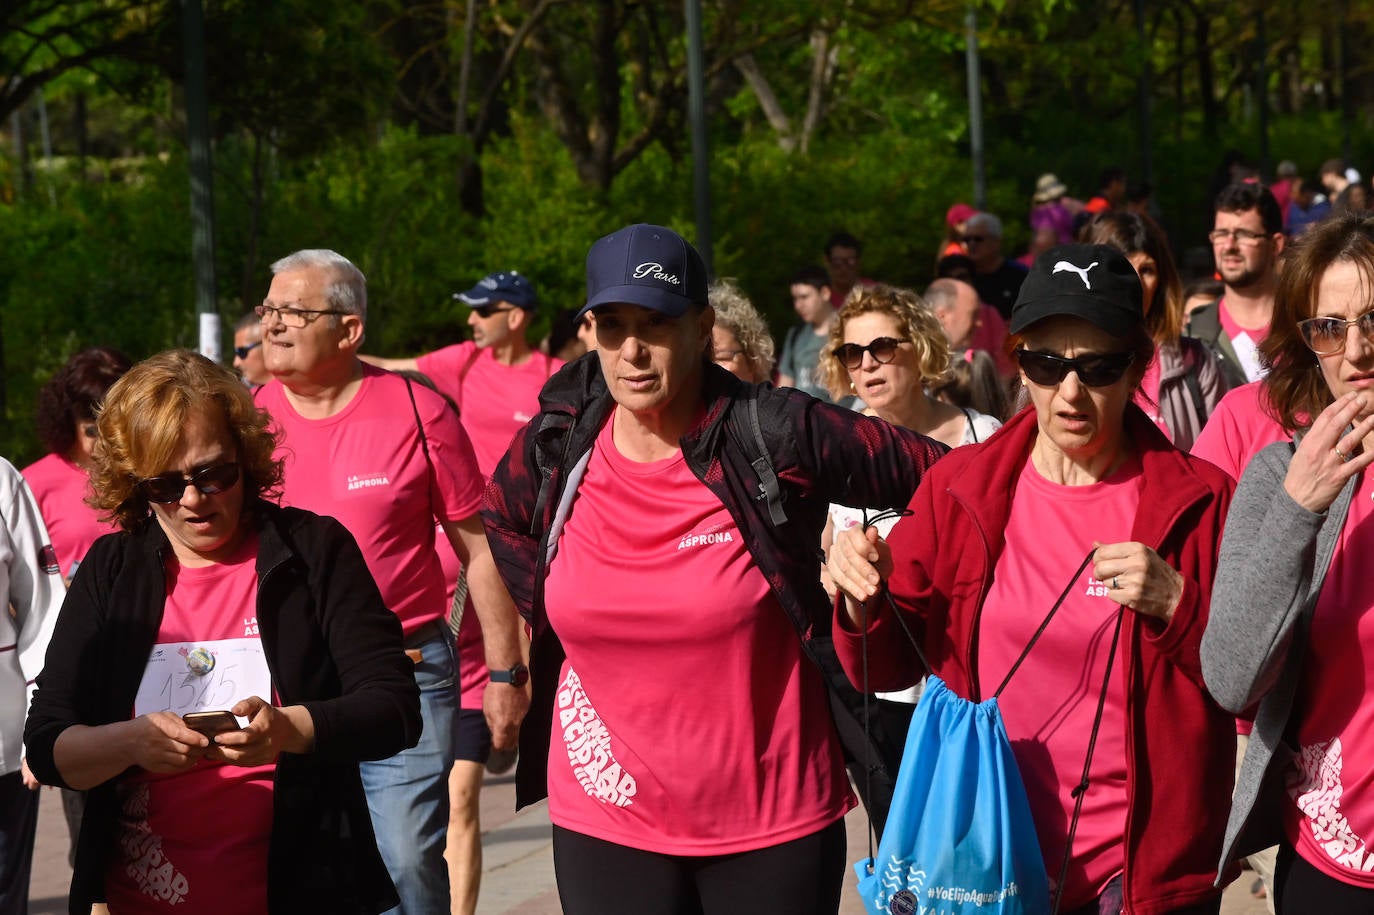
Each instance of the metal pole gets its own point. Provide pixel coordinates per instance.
(975, 109)
(696, 113)
(1147, 167)
(1262, 90)
(202, 184)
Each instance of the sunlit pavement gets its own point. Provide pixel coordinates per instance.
(517, 860)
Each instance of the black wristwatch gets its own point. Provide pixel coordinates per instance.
(518, 675)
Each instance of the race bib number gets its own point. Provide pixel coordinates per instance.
(186, 677)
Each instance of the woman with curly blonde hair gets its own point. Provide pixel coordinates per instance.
(887, 348)
(217, 653)
(740, 341)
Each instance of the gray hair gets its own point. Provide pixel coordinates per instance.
(941, 294)
(735, 313)
(347, 290)
(985, 221)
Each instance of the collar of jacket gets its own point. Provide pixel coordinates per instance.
(577, 397)
(989, 477)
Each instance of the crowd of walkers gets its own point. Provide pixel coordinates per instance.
(270, 625)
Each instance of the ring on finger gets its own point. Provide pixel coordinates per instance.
(1345, 458)
(1115, 586)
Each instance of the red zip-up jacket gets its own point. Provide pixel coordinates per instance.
(1181, 744)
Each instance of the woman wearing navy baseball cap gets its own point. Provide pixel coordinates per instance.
(658, 526)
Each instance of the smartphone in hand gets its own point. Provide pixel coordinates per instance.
(211, 723)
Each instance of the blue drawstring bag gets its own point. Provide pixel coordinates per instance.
(960, 838)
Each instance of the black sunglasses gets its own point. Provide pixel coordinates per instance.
(243, 351)
(210, 481)
(486, 311)
(884, 350)
(1094, 371)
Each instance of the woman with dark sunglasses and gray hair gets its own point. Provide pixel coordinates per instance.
(1079, 503)
(1291, 628)
(218, 657)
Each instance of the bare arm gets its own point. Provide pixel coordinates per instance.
(159, 742)
(503, 636)
(411, 364)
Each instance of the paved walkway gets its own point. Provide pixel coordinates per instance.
(517, 861)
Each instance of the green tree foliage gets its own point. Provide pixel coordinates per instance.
(431, 151)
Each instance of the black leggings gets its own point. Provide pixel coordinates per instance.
(1300, 888)
(801, 877)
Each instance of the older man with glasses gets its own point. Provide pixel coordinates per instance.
(494, 380)
(1247, 241)
(390, 460)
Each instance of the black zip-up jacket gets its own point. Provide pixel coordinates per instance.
(331, 645)
(821, 453)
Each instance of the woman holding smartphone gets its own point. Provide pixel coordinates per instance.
(213, 599)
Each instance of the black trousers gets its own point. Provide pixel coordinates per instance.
(1299, 888)
(801, 877)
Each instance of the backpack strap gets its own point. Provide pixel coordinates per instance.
(762, 462)
(1082, 787)
(1016, 665)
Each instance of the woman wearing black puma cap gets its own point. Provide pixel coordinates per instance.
(995, 534)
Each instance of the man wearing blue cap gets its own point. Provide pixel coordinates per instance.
(495, 378)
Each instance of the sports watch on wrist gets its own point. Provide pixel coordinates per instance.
(518, 675)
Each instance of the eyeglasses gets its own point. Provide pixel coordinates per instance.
(1099, 371)
(1326, 336)
(884, 350)
(975, 239)
(243, 351)
(1242, 236)
(291, 317)
(486, 311)
(209, 481)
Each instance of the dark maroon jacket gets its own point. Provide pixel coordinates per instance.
(821, 454)
(1182, 745)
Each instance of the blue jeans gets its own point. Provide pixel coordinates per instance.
(407, 794)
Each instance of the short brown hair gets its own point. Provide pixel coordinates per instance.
(143, 419)
(1296, 390)
(911, 313)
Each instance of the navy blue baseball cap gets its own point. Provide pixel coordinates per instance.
(1093, 282)
(509, 287)
(645, 265)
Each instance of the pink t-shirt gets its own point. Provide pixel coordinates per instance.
(365, 466)
(197, 841)
(495, 400)
(1244, 341)
(1331, 821)
(1049, 705)
(61, 489)
(686, 719)
(472, 658)
(1237, 430)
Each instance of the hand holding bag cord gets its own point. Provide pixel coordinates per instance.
(960, 838)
